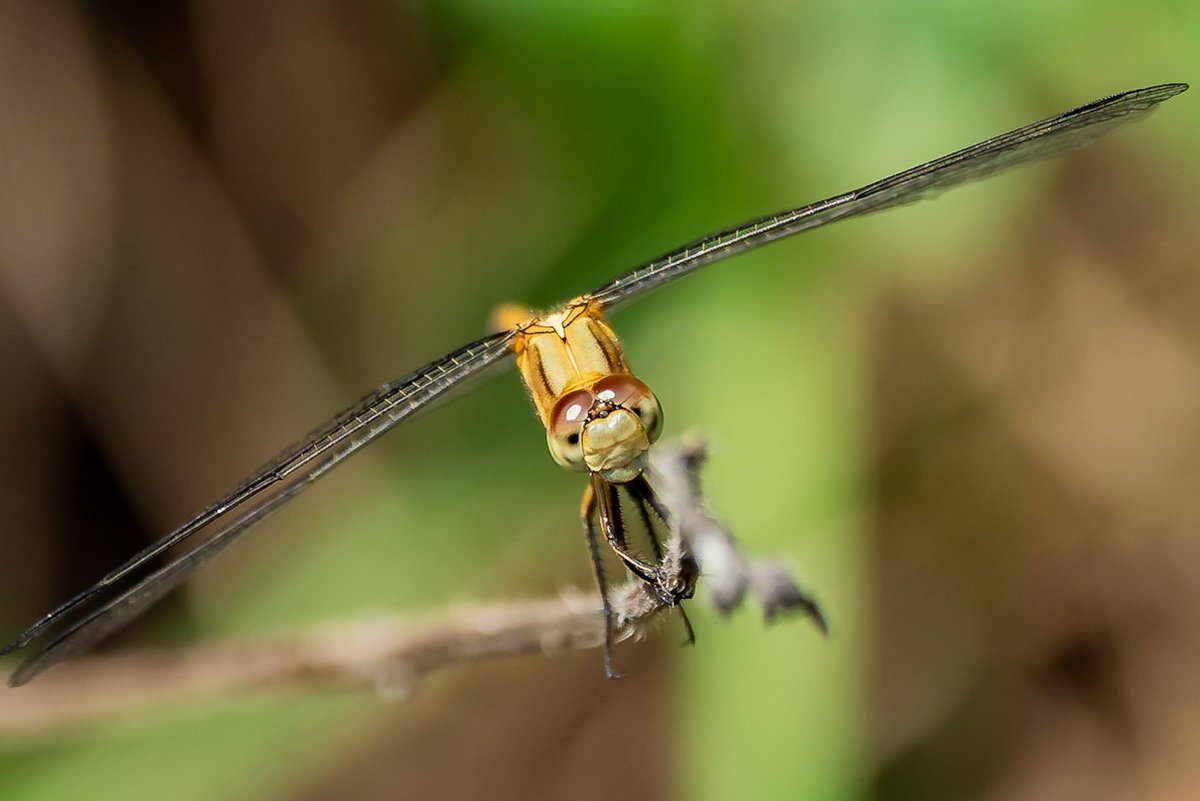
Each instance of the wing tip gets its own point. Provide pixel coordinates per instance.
(22, 674)
(1158, 93)
(18, 678)
(30, 668)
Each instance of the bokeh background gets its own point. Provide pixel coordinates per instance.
(972, 423)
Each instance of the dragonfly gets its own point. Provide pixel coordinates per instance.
(600, 420)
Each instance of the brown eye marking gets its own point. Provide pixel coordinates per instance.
(569, 413)
(621, 390)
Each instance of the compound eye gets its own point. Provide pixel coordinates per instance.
(630, 393)
(564, 434)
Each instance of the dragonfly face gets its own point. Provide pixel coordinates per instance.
(606, 429)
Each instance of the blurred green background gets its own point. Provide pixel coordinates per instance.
(971, 422)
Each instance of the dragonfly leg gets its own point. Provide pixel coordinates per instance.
(689, 633)
(609, 506)
(587, 512)
(648, 502)
(644, 509)
(643, 490)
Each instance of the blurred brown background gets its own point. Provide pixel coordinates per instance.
(974, 422)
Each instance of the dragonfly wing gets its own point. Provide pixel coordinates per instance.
(293, 470)
(1038, 140)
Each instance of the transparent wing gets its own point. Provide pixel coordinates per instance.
(286, 475)
(1038, 140)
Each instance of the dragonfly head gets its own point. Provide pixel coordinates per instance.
(606, 429)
